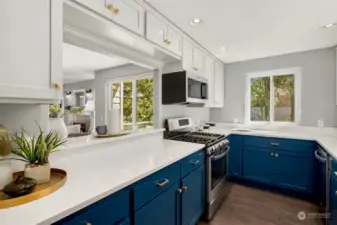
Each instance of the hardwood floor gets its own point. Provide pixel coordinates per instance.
(250, 206)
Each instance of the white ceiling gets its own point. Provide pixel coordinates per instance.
(80, 64)
(254, 28)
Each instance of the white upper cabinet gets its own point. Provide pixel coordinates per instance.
(209, 74)
(128, 14)
(31, 51)
(155, 30)
(163, 35)
(193, 58)
(174, 41)
(219, 84)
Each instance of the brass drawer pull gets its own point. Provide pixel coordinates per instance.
(180, 190)
(195, 162)
(276, 155)
(162, 184)
(185, 188)
(113, 9)
(274, 144)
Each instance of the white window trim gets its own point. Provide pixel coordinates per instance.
(298, 91)
(108, 87)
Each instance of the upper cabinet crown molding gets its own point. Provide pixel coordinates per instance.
(31, 67)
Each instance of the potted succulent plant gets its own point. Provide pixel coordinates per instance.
(35, 152)
(54, 110)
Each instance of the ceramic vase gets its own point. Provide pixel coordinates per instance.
(40, 173)
(6, 173)
(58, 125)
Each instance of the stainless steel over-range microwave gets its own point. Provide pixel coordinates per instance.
(184, 88)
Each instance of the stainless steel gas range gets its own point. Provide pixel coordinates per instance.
(217, 149)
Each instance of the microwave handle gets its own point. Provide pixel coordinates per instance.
(204, 91)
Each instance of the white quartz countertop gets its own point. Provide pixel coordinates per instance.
(326, 137)
(97, 171)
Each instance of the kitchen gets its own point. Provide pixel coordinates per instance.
(281, 144)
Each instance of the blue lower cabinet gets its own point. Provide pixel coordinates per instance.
(112, 210)
(259, 164)
(163, 210)
(193, 196)
(235, 155)
(124, 222)
(294, 170)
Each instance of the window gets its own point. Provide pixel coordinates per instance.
(134, 99)
(273, 96)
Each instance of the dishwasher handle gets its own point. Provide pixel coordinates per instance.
(321, 156)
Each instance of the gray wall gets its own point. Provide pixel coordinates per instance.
(101, 78)
(318, 85)
(16, 116)
(172, 111)
(87, 84)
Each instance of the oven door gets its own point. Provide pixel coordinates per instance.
(217, 171)
(197, 88)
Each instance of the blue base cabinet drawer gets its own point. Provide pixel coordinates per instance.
(192, 162)
(113, 210)
(281, 144)
(150, 187)
(163, 210)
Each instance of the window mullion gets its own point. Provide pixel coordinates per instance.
(271, 109)
(122, 104)
(134, 104)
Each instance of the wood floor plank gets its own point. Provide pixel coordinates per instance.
(250, 206)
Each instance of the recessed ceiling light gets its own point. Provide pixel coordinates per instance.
(330, 25)
(195, 21)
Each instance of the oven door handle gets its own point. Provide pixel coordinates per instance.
(217, 157)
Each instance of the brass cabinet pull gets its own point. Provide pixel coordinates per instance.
(185, 188)
(272, 154)
(58, 85)
(87, 223)
(167, 41)
(195, 162)
(274, 144)
(195, 68)
(180, 190)
(336, 192)
(162, 184)
(113, 9)
(276, 155)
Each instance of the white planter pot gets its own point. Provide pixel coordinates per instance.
(59, 126)
(6, 173)
(41, 173)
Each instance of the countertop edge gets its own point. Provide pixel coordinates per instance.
(99, 197)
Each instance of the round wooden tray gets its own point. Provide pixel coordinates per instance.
(58, 179)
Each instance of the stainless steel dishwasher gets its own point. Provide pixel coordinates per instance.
(324, 160)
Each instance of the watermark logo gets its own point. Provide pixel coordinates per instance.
(302, 215)
(312, 215)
